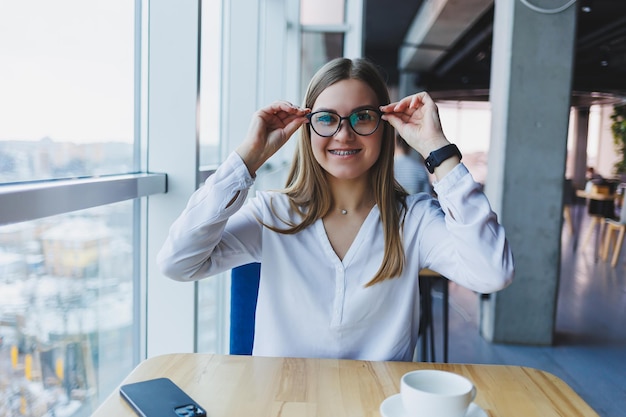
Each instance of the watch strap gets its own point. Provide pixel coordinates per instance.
(436, 157)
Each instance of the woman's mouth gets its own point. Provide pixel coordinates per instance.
(344, 153)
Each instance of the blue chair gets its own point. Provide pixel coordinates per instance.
(244, 289)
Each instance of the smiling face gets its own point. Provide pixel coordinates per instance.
(347, 155)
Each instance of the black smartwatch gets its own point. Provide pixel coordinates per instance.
(438, 156)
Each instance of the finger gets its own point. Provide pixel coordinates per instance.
(410, 102)
(405, 116)
(294, 125)
(387, 107)
(426, 98)
(395, 121)
(416, 102)
(279, 114)
(287, 107)
(395, 106)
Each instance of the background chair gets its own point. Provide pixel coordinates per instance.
(612, 227)
(430, 281)
(599, 210)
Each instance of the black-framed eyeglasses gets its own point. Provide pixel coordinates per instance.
(327, 123)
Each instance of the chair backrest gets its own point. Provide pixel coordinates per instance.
(603, 208)
(244, 289)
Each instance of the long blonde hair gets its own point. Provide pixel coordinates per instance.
(307, 186)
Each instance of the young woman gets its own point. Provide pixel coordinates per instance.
(342, 245)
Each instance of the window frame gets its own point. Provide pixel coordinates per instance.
(22, 201)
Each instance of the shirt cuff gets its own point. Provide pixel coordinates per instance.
(224, 192)
(450, 180)
(235, 172)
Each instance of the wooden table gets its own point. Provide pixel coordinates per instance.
(244, 386)
(594, 196)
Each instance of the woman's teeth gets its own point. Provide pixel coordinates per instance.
(344, 153)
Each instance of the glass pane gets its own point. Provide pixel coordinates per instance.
(211, 293)
(322, 12)
(468, 124)
(67, 328)
(211, 322)
(317, 49)
(66, 88)
(210, 91)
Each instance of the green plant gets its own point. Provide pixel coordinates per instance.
(618, 128)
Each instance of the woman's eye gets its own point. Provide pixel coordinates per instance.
(326, 118)
(364, 116)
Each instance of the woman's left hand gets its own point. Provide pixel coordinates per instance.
(416, 119)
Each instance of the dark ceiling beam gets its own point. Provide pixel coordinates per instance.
(602, 35)
(438, 25)
(454, 58)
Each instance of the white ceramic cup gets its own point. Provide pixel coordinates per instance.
(434, 393)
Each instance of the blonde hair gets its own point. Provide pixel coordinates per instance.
(307, 187)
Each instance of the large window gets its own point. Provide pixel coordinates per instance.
(71, 218)
(468, 124)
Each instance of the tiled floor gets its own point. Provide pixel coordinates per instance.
(589, 352)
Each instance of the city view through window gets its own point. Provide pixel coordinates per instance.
(66, 319)
(67, 282)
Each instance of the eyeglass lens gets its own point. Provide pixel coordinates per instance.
(363, 122)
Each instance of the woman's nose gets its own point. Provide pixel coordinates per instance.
(345, 131)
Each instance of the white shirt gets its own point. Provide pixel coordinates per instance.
(311, 303)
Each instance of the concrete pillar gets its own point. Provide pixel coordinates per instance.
(531, 76)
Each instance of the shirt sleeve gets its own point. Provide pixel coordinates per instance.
(198, 244)
(463, 240)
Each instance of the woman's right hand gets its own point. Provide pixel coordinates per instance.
(270, 128)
